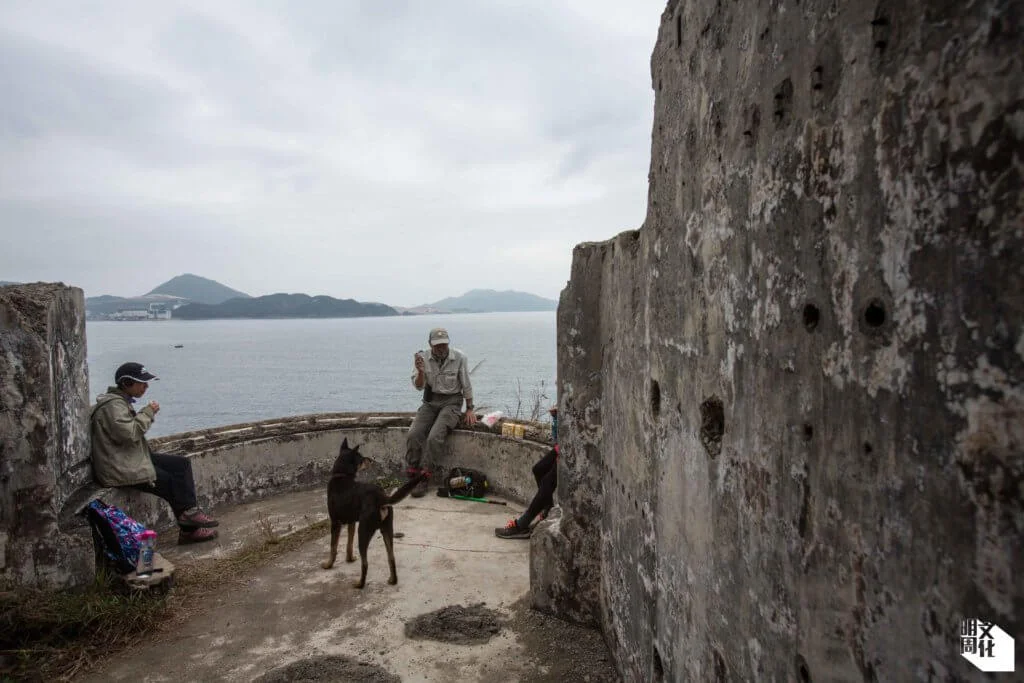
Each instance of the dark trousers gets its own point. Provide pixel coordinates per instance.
(545, 472)
(174, 482)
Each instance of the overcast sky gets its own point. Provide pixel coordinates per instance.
(382, 150)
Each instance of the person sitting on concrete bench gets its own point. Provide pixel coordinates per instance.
(443, 377)
(121, 456)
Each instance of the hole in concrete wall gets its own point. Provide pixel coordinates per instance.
(658, 669)
(812, 316)
(803, 673)
(783, 102)
(817, 80)
(679, 29)
(867, 448)
(808, 431)
(753, 126)
(874, 314)
(805, 503)
(881, 30)
(712, 425)
(655, 398)
(721, 671)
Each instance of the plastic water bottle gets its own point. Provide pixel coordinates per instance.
(459, 482)
(147, 546)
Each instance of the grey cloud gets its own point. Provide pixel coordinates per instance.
(48, 90)
(307, 134)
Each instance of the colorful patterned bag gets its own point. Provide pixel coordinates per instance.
(115, 534)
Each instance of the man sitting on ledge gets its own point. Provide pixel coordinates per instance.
(443, 377)
(121, 455)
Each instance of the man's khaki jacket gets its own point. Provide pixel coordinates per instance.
(120, 454)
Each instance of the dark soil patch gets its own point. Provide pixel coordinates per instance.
(573, 653)
(456, 624)
(329, 668)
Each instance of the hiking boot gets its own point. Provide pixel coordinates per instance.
(200, 535)
(421, 488)
(512, 530)
(196, 519)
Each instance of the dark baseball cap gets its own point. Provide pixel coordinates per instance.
(134, 372)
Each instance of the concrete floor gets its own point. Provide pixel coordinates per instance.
(291, 609)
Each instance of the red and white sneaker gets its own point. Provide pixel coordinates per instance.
(196, 536)
(512, 530)
(196, 519)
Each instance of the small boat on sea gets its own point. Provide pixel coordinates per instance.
(179, 346)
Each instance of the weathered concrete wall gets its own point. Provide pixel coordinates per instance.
(43, 440)
(792, 407)
(245, 462)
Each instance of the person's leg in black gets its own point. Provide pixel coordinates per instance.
(546, 473)
(545, 465)
(543, 500)
(174, 482)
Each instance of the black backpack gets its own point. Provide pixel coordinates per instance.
(476, 487)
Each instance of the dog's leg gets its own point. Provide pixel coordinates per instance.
(335, 532)
(349, 555)
(387, 531)
(366, 529)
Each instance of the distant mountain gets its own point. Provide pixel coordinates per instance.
(284, 306)
(489, 300)
(198, 290)
(4, 283)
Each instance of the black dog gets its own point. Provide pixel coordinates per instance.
(350, 501)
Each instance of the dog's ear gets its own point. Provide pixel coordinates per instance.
(344, 443)
(356, 449)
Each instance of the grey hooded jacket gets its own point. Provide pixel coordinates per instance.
(120, 454)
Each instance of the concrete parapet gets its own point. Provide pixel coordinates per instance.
(245, 462)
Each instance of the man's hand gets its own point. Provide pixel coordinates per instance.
(470, 418)
(154, 406)
(417, 362)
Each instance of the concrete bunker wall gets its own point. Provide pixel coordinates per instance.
(792, 413)
(43, 413)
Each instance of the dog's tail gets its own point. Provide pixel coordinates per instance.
(406, 488)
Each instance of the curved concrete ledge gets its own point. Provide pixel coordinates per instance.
(243, 462)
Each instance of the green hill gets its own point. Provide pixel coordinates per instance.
(489, 300)
(284, 306)
(198, 290)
